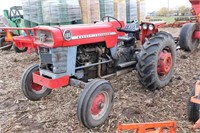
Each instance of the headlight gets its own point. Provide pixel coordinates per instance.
(151, 27)
(43, 36)
(144, 26)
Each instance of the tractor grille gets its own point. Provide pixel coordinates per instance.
(54, 60)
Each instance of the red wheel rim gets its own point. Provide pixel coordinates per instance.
(165, 62)
(36, 87)
(98, 104)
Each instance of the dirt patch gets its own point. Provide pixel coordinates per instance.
(57, 112)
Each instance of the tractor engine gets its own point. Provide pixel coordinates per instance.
(88, 55)
(124, 52)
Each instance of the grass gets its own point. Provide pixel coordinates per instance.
(166, 19)
(169, 19)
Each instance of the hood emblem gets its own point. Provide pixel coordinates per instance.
(67, 35)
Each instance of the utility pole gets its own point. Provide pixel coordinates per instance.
(168, 8)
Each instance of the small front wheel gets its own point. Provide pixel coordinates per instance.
(33, 91)
(95, 103)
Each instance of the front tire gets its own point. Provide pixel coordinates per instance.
(32, 91)
(156, 61)
(187, 42)
(95, 103)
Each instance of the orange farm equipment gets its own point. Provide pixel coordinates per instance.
(154, 127)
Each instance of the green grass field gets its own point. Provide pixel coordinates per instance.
(166, 19)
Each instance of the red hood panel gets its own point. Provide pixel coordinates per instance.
(85, 34)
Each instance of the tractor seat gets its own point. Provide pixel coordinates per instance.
(130, 28)
(126, 39)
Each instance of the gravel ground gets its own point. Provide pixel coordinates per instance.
(132, 103)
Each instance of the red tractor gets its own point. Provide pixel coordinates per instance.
(85, 55)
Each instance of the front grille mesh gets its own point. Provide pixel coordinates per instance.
(57, 57)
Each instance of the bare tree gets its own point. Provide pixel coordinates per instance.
(163, 11)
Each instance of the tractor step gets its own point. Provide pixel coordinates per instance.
(123, 65)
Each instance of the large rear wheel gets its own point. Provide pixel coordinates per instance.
(95, 103)
(31, 90)
(187, 42)
(156, 61)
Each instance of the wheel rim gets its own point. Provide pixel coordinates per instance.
(100, 105)
(38, 89)
(165, 63)
(194, 40)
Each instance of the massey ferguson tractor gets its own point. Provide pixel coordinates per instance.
(85, 55)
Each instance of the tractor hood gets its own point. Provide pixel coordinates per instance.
(74, 35)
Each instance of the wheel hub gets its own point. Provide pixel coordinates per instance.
(36, 87)
(98, 104)
(164, 63)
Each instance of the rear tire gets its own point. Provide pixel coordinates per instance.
(192, 108)
(148, 61)
(186, 42)
(164, 34)
(95, 103)
(4, 43)
(32, 91)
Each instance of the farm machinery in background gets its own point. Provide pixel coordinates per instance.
(190, 34)
(12, 18)
(85, 55)
(189, 40)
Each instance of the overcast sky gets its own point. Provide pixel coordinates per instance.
(151, 5)
(6, 4)
(155, 5)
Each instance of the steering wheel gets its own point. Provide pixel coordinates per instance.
(109, 17)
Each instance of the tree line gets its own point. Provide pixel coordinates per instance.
(179, 11)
